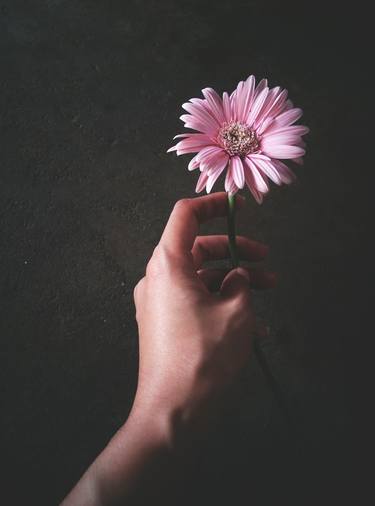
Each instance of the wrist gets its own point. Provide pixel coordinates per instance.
(131, 463)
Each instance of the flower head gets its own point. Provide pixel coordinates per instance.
(247, 134)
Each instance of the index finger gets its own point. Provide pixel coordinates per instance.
(183, 224)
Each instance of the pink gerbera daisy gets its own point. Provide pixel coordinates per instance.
(247, 133)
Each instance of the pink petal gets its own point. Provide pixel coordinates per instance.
(264, 125)
(260, 156)
(183, 135)
(191, 144)
(298, 161)
(213, 176)
(199, 112)
(202, 102)
(228, 179)
(284, 152)
(261, 86)
(207, 152)
(257, 106)
(201, 182)
(268, 169)
(286, 175)
(288, 105)
(273, 94)
(251, 185)
(212, 160)
(173, 148)
(296, 130)
(288, 117)
(237, 171)
(227, 107)
(258, 180)
(217, 162)
(215, 104)
(233, 189)
(273, 109)
(194, 163)
(278, 104)
(280, 138)
(238, 101)
(249, 95)
(191, 135)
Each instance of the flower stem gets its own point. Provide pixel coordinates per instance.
(258, 352)
(232, 230)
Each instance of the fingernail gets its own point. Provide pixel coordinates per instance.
(243, 272)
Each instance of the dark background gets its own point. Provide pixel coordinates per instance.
(90, 97)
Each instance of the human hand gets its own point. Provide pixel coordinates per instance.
(195, 325)
(195, 331)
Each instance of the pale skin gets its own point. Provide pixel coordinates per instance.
(196, 327)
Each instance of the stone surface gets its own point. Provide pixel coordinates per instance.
(90, 99)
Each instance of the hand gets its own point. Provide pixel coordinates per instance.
(192, 340)
(195, 331)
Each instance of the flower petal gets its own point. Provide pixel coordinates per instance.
(257, 178)
(201, 113)
(201, 182)
(257, 107)
(237, 171)
(195, 144)
(261, 86)
(192, 135)
(283, 152)
(278, 104)
(238, 101)
(268, 169)
(212, 160)
(227, 107)
(249, 89)
(252, 187)
(207, 152)
(287, 118)
(283, 138)
(296, 130)
(215, 104)
(268, 103)
(194, 163)
(286, 175)
(298, 161)
(228, 179)
(233, 189)
(213, 174)
(217, 161)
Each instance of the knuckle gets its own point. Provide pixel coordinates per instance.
(138, 288)
(159, 262)
(182, 204)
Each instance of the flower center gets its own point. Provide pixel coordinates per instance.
(237, 139)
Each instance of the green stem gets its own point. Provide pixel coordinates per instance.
(232, 230)
(259, 353)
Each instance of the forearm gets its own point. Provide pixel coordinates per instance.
(138, 465)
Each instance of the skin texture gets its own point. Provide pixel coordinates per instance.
(195, 332)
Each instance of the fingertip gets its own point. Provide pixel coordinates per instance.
(243, 272)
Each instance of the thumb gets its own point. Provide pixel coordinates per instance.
(236, 283)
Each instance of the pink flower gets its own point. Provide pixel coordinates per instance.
(247, 134)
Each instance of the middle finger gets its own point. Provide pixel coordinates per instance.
(216, 247)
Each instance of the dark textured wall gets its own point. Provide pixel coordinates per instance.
(90, 95)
